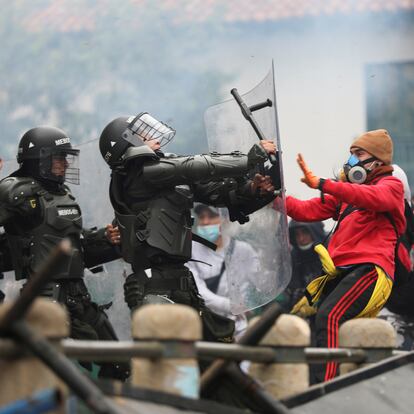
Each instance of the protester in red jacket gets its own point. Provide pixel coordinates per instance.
(360, 268)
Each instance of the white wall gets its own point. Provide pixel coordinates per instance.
(320, 81)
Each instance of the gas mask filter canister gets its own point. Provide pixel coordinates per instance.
(355, 171)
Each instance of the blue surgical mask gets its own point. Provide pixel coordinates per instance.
(210, 232)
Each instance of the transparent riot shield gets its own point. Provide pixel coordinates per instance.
(260, 277)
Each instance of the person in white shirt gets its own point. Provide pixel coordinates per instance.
(209, 266)
(402, 176)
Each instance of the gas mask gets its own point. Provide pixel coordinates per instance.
(355, 170)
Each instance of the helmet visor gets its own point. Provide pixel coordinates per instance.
(147, 128)
(61, 166)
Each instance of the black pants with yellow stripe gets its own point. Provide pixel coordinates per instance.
(358, 292)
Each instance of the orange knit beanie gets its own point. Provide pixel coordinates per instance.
(378, 143)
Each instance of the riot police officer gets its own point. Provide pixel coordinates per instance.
(152, 195)
(37, 211)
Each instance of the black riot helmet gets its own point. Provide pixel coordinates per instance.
(133, 131)
(46, 152)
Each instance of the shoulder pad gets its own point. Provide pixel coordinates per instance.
(13, 190)
(139, 152)
(67, 189)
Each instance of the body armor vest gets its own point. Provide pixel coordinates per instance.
(60, 218)
(156, 229)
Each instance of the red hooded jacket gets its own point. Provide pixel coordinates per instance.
(366, 235)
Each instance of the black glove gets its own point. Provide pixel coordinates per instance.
(133, 292)
(256, 155)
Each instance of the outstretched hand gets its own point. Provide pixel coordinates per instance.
(310, 179)
(112, 234)
(262, 185)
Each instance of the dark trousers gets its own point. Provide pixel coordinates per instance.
(177, 283)
(88, 321)
(343, 299)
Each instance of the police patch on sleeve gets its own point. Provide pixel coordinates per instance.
(68, 212)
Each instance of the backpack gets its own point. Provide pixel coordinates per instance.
(402, 294)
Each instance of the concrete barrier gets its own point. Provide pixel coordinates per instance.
(365, 333)
(283, 380)
(167, 323)
(21, 377)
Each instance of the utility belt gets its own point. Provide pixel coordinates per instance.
(170, 279)
(176, 282)
(65, 290)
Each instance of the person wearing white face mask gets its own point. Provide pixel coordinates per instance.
(399, 309)
(305, 261)
(210, 232)
(209, 266)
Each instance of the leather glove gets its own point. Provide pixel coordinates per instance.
(310, 179)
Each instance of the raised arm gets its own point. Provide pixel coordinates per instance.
(239, 195)
(313, 209)
(197, 168)
(384, 196)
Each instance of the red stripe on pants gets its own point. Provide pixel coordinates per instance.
(338, 311)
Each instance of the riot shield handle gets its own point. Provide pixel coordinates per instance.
(247, 113)
(261, 105)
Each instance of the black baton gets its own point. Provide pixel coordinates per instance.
(247, 113)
